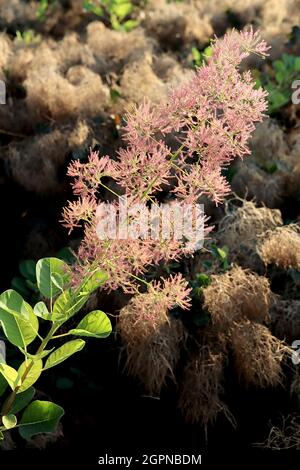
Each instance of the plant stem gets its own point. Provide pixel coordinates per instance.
(60, 336)
(8, 403)
(11, 398)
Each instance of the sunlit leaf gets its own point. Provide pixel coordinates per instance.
(40, 417)
(33, 374)
(52, 275)
(95, 324)
(64, 352)
(19, 323)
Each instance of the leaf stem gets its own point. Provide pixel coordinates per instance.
(11, 398)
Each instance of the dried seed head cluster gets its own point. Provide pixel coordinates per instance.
(154, 359)
(236, 295)
(257, 354)
(34, 163)
(200, 395)
(146, 313)
(151, 336)
(241, 229)
(282, 247)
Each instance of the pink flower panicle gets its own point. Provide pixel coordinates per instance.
(212, 118)
(174, 291)
(199, 181)
(87, 176)
(153, 306)
(142, 123)
(77, 212)
(143, 170)
(236, 46)
(122, 260)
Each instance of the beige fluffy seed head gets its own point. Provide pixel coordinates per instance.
(257, 354)
(202, 384)
(241, 228)
(236, 295)
(154, 359)
(282, 247)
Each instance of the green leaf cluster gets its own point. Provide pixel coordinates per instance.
(28, 37)
(278, 79)
(43, 8)
(20, 323)
(199, 57)
(118, 12)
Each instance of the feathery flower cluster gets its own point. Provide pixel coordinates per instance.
(153, 158)
(209, 121)
(150, 309)
(82, 210)
(87, 176)
(122, 260)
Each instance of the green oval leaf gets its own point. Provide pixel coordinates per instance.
(11, 376)
(32, 375)
(40, 310)
(65, 351)
(40, 417)
(129, 25)
(122, 9)
(222, 253)
(70, 302)
(22, 400)
(95, 324)
(94, 280)
(9, 421)
(66, 305)
(27, 269)
(52, 276)
(18, 321)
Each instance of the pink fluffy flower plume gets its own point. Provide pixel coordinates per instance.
(173, 151)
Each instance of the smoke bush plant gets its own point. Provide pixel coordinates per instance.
(20, 325)
(177, 147)
(174, 152)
